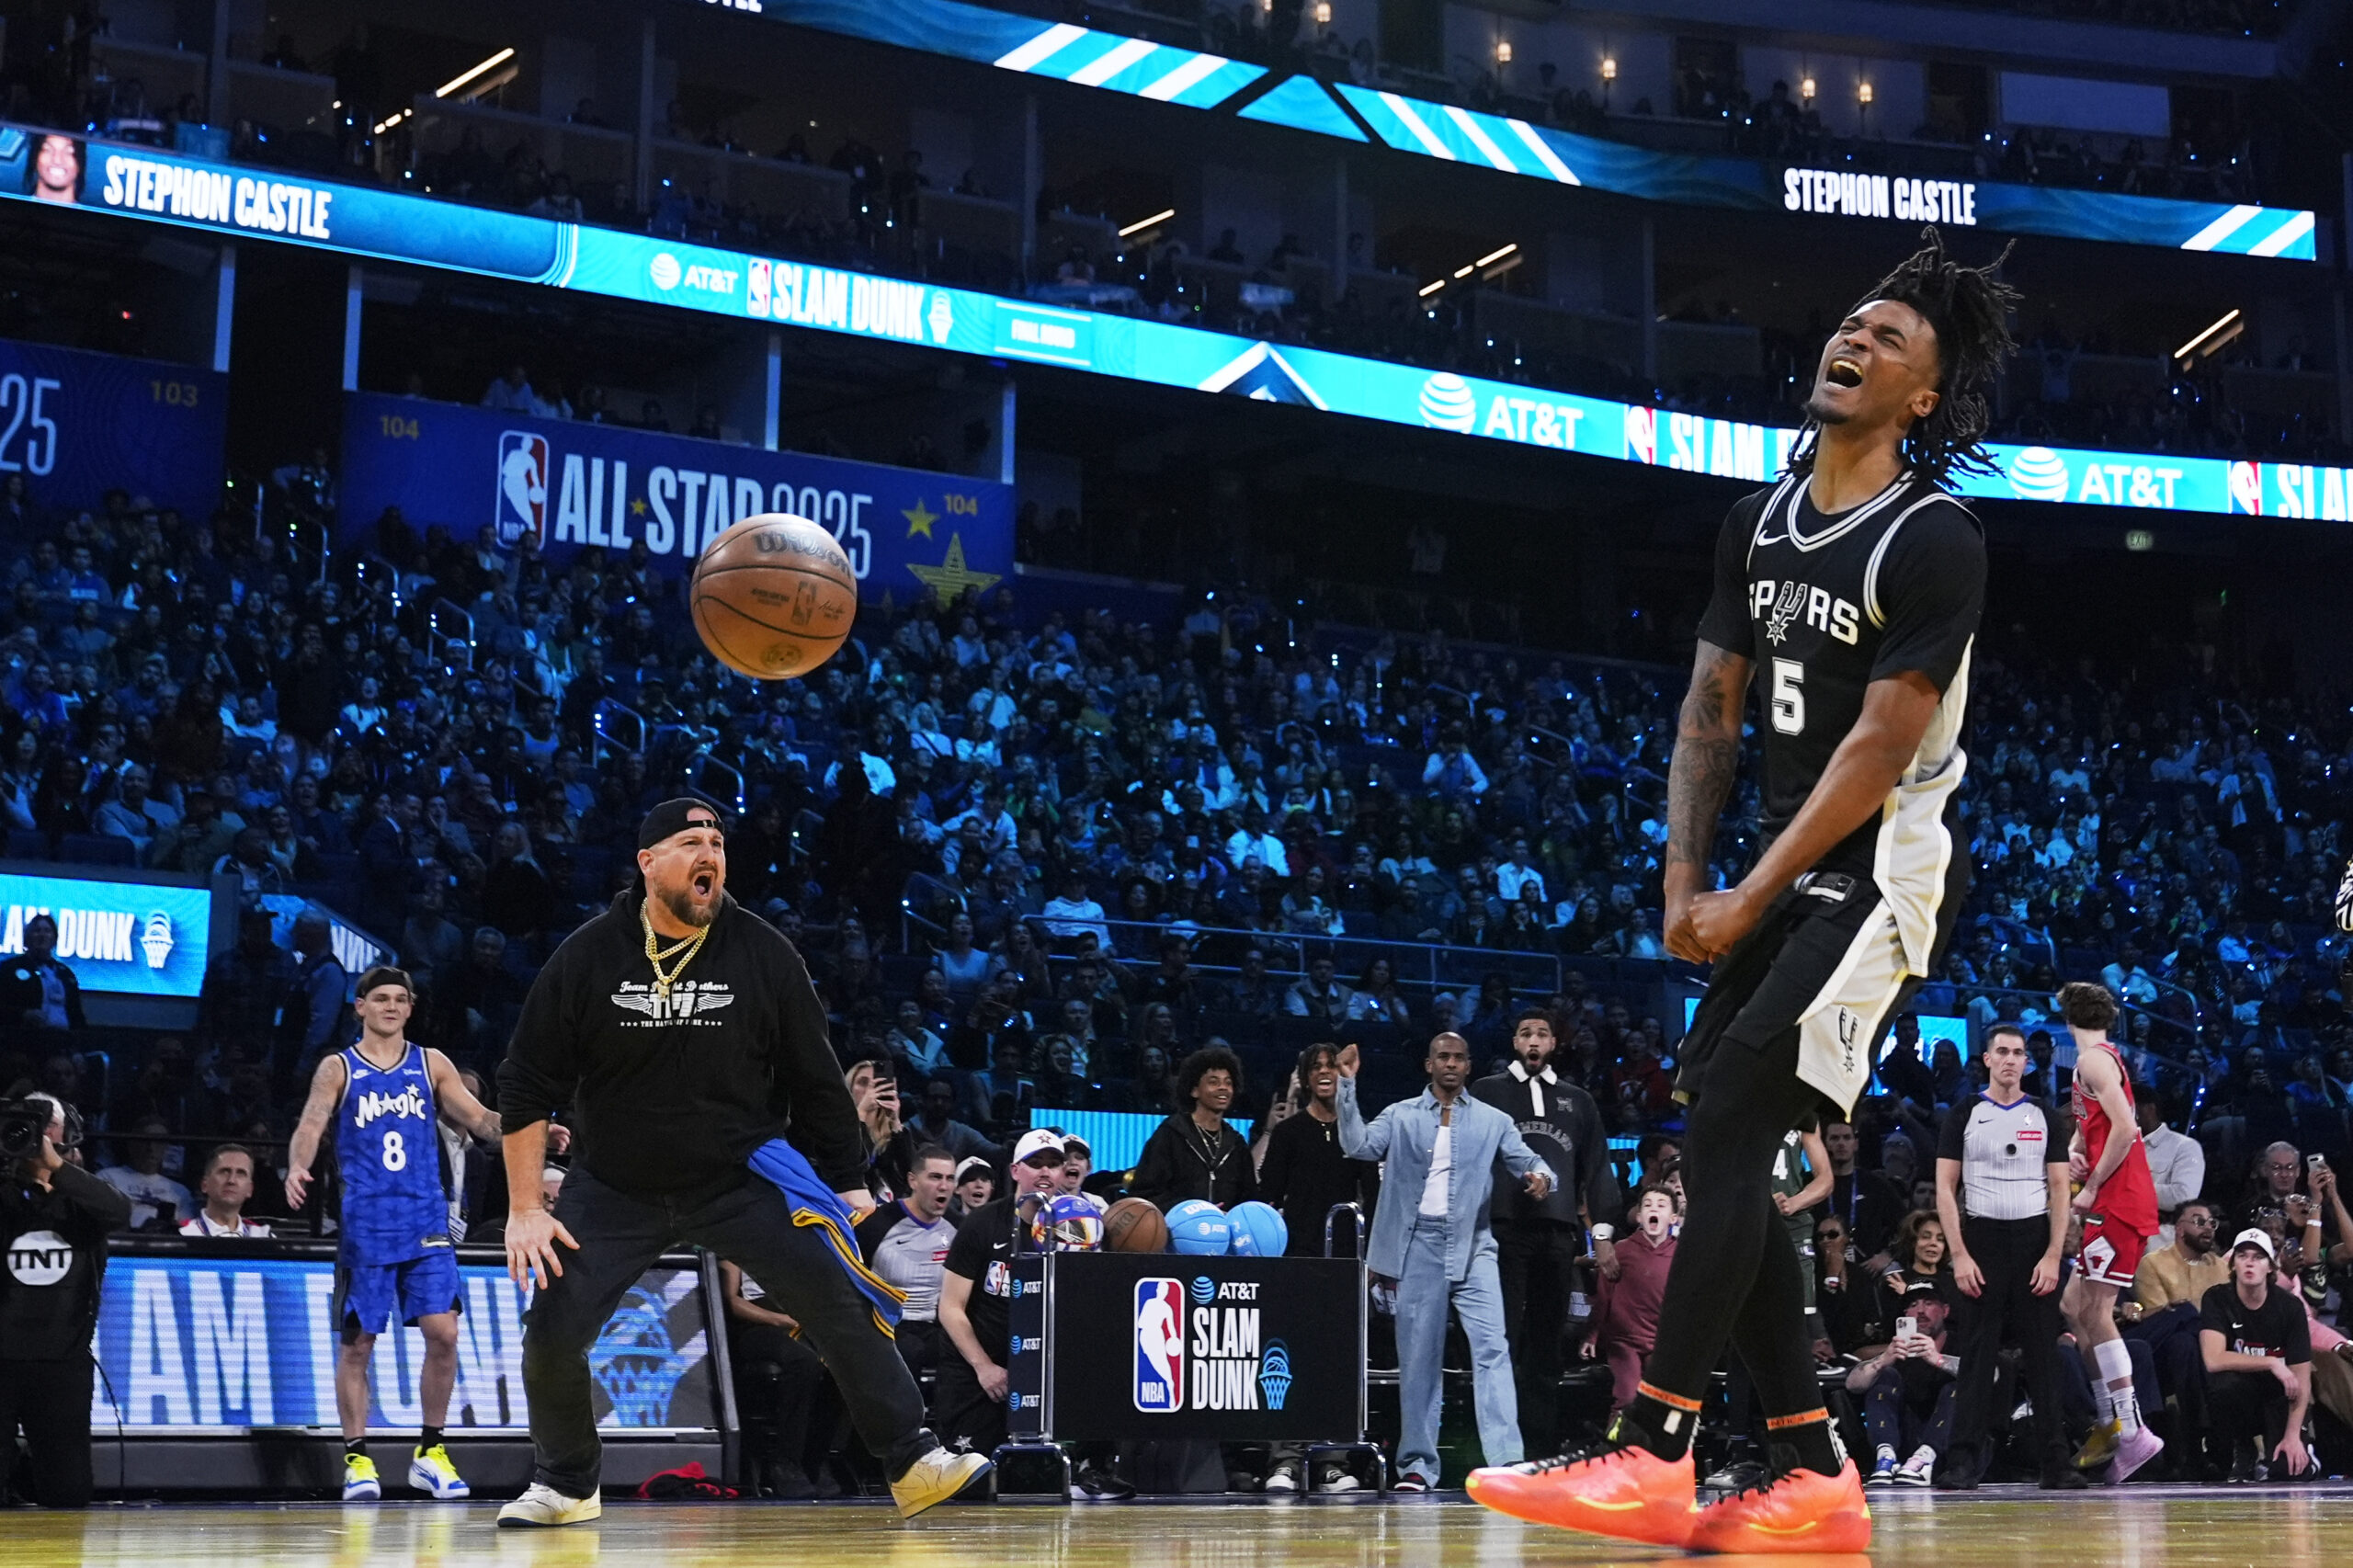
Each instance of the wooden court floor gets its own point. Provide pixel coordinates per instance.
(2146, 1528)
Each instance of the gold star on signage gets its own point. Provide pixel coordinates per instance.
(951, 577)
(919, 519)
(637, 508)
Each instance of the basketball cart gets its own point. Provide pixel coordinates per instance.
(1129, 1347)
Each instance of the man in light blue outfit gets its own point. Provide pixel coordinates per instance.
(1430, 1235)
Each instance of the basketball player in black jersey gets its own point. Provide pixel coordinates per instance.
(1850, 591)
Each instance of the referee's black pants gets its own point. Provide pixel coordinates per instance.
(1533, 1260)
(2006, 1251)
(51, 1400)
(750, 1224)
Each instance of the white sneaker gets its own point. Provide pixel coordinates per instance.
(1336, 1479)
(1917, 1471)
(432, 1471)
(1283, 1478)
(542, 1505)
(359, 1481)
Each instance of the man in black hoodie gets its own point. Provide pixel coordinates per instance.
(684, 1034)
(1537, 1239)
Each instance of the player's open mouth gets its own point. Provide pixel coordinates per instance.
(1844, 373)
(702, 884)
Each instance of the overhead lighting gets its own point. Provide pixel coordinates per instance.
(1142, 223)
(1805, 89)
(454, 83)
(1609, 68)
(1863, 92)
(385, 125)
(2184, 351)
(1428, 289)
(1496, 256)
(1503, 51)
(1323, 13)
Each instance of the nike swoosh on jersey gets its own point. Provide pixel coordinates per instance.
(1770, 538)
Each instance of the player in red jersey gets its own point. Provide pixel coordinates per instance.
(2119, 1205)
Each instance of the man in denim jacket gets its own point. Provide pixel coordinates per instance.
(1430, 1236)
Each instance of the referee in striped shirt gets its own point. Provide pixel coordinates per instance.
(2001, 1194)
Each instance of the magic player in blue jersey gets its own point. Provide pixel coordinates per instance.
(383, 1096)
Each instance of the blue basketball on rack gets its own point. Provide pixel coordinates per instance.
(1200, 1228)
(1258, 1230)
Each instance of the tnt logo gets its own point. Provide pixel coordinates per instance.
(1641, 435)
(2246, 488)
(521, 505)
(1160, 1346)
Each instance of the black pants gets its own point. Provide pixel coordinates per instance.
(1737, 1277)
(925, 1348)
(751, 1226)
(2248, 1407)
(1534, 1259)
(968, 1417)
(2007, 1250)
(779, 1381)
(51, 1400)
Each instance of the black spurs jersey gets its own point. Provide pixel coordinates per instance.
(1824, 605)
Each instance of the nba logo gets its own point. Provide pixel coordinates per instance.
(757, 288)
(521, 505)
(2246, 488)
(1641, 435)
(1160, 1346)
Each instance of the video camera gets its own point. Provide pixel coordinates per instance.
(23, 1121)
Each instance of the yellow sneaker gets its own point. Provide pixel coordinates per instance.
(2100, 1446)
(359, 1483)
(431, 1472)
(934, 1478)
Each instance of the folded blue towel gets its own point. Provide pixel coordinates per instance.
(816, 1205)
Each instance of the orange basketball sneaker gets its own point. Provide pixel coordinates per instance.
(1802, 1511)
(1626, 1492)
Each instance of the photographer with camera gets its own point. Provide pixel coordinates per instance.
(55, 1216)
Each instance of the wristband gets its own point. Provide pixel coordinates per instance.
(1603, 1232)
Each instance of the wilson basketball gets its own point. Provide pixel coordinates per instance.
(773, 596)
(1134, 1224)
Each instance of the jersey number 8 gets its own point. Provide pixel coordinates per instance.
(1788, 697)
(395, 1152)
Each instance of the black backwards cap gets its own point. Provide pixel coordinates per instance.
(675, 816)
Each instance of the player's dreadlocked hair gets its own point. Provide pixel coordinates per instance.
(1969, 308)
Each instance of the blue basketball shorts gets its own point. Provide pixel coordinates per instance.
(366, 1294)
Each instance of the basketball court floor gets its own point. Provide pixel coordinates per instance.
(1998, 1527)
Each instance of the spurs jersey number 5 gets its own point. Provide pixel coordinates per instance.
(1822, 605)
(390, 1159)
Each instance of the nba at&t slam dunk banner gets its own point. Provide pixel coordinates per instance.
(575, 485)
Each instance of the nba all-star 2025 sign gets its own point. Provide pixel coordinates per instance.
(575, 485)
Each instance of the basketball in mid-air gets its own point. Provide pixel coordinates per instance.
(1134, 1224)
(773, 596)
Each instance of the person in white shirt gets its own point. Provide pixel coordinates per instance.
(1255, 843)
(1516, 873)
(2177, 1162)
(143, 1180)
(1075, 912)
(228, 1186)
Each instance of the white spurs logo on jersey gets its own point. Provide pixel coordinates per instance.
(1780, 604)
(682, 1005)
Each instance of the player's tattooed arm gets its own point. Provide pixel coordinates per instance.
(1707, 754)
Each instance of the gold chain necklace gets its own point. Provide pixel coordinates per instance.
(655, 954)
